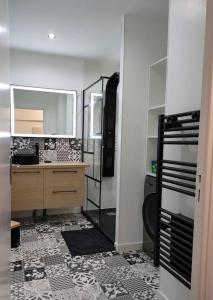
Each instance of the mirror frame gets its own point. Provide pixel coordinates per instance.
(27, 88)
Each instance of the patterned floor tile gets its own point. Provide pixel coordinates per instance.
(114, 289)
(105, 275)
(29, 246)
(81, 279)
(116, 261)
(64, 249)
(57, 236)
(126, 297)
(76, 263)
(133, 258)
(38, 290)
(42, 267)
(124, 272)
(34, 274)
(69, 294)
(109, 253)
(152, 280)
(17, 291)
(67, 258)
(52, 260)
(17, 277)
(50, 251)
(16, 266)
(90, 292)
(61, 283)
(46, 228)
(57, 270)
(147, 295)
(33, 263)
(16, 254)
(51, 243)
(31, 255)
(145, 268)
(94, 263)
(72, 228)
(46, 236)
(86, 226)
(135, 285)
(29, 238)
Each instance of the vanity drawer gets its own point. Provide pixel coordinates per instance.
(58, 196)
(27, 189)
(73, 177)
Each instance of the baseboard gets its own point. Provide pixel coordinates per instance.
(161, 296)
(128, 247)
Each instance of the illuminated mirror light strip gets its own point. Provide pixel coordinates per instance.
(18, 87)
(93, 101)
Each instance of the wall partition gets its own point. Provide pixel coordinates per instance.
(98, 207)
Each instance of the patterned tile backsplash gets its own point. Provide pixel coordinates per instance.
(54, 149)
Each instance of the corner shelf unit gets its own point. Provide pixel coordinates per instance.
(156, 107)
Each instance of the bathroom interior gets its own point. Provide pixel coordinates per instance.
(103, 148)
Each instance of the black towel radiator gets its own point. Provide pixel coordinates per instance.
(174, 232)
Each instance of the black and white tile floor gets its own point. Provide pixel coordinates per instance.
(43, 269)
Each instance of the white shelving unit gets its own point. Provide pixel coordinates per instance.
(156, 107)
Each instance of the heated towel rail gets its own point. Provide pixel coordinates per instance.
(174, 231)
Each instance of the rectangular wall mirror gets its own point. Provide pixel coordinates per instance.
(43, 112)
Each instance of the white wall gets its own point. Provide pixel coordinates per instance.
(4, 156)
(184, 85)
(144, 41)
(93, 69)
(48, 71)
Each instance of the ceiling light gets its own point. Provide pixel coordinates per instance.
(3, 29)
(51, 36)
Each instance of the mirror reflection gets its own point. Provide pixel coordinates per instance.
(96, 116)
(43, 112)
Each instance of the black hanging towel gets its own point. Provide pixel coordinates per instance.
(109, 124)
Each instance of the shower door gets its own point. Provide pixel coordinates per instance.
(96, 207)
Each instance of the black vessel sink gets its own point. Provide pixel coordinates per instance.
(25, 159)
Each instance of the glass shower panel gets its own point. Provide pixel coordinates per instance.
(97, 163)
(92, 212)
(93, 113)
(100, 191)
(93, 190)
(108, 201)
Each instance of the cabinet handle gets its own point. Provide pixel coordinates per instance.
(73, 172)
(33, 172)
(58, 192)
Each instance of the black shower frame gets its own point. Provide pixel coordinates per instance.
(101, 79)
(170, 124)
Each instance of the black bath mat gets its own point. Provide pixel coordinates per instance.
(86, 242)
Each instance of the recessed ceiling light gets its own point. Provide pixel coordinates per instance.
(3, 29)
(51, 36)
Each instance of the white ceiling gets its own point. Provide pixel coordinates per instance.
(83, 28)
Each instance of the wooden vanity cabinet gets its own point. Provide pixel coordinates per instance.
(27, 189)
(63, 187)
(48, 187)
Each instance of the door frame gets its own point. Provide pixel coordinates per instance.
(202, 266)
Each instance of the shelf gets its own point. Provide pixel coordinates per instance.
(158, 107)
(152, 137)
(151, 174)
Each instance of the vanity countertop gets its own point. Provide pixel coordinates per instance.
(53, 165)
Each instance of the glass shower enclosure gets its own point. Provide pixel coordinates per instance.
(98, 208)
